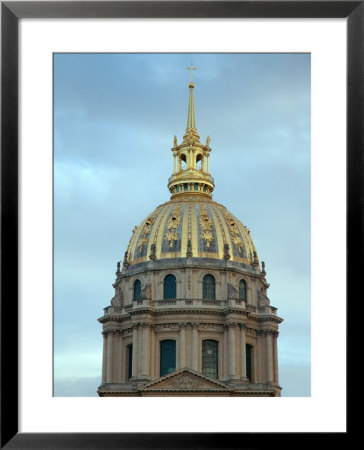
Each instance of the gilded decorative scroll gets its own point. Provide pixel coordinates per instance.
(206, 226)
(147, 229)
(235, 235)
(173, 223)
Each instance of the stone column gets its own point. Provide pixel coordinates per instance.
(122, 359)
(104, 357)
(232, 348)
(194, 351)
(208, 164)
(152, 351)
(226, 352)
(135, 351)
(275, 356)
(109, 366)
(269, 352)
(182, 348)
(242, 353)
(145, 351)
(116, 357)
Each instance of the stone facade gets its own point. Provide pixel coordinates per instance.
(188, 320)
(190, 314)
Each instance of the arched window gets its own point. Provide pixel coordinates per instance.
(168, 356)
(169, 291)
(208, 287)
(249, 362)
(129, 360)
(242, 290)
(137, 290)
(183, 162)
(209, 358)
(199, 162)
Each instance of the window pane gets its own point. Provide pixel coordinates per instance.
(208, 290)
(130, 359)
(209, 358)
(168, 357)
(249, 362)
(169, 287)
(137, 290)
(242, 290)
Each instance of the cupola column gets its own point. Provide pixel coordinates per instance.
(174, 162)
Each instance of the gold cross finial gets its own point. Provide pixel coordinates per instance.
(191, 69)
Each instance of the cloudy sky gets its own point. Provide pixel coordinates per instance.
(115, 116)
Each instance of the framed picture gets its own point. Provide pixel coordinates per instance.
(52, 414)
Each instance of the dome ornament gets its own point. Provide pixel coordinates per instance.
(264, 273)
(191, 68)
(117, 268)
(255, 262)
(191, 172)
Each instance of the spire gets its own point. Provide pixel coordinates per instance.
(191, 173)
(191, 122)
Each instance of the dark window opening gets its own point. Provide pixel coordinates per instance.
(242, 290)
(208, 287)
(209, 358)
(129, 351)
(168, 357)
(169, 291)
(249, 362)
(137, 290)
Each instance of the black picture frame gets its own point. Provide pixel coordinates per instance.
(11, 12)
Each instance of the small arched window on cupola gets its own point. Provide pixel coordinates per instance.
(182, 162)
(242, 290)
(199, 162)
(137, 290)
(169, 287)
(208, 287)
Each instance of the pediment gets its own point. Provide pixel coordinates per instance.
(184, 380)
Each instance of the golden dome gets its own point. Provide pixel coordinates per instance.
(191, 224)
